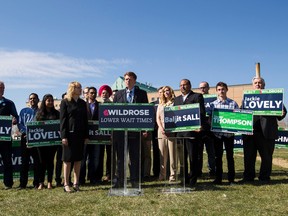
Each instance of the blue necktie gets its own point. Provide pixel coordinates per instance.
(129, 96)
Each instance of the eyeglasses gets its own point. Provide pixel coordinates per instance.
(34, 98)
(92, 92)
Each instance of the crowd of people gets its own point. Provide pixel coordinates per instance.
(88, 161)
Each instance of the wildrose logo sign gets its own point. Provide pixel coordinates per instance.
(118, 116)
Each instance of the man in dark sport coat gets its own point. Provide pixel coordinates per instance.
(265, 131)
(191, 144)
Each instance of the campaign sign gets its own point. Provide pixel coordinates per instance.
(43, 133)
(208, 99)
(182, 118)
(5, 128)
(264, 101)
(282, 141)
(16, 161)
(232, 121)
(97, 136)
(238, 142)
(124, 116)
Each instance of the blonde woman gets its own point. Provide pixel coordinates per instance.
(74, 132)
(166, 140)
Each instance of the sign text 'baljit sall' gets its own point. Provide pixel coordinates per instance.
(182, 118)
(97, 136)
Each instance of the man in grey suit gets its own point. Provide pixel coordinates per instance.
(131, 94)
(191, 145)
(265, 131)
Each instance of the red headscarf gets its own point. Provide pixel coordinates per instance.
(105, 87)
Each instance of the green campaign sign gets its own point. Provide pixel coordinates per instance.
(97, 136)
(5, 128)
(43, 133)
(264, 101)
(16, 161)
(232, 121)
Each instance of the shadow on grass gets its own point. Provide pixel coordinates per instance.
(204, 183)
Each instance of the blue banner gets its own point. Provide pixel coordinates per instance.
(282, 140)
(264, 101)
(208, 99)
(122, 116)
(182, 118)
(16, 161)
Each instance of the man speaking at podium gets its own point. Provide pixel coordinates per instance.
(131, 94)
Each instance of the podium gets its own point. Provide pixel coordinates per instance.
(126, 121)
(179, 185)
(127, 181)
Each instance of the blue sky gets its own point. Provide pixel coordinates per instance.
(44, 45)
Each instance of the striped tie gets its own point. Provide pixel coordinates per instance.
(129, 96)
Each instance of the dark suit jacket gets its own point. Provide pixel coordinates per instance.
(140, 96)
(192, 98)
(73, 117)
(269, 124)
(95, 114)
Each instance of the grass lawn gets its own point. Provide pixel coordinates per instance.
(205, 199)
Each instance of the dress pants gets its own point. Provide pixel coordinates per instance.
(46, 156)
(26, 153)
(207, 139)
(92, 155)
(58, 167)
(6, 153)
(109, 161)
(100, 168)
(167, 147)
(229, 148)
(192, 148)
(133, 148)
(156, 154)
(252, 143)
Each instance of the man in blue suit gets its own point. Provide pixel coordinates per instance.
(131, 94)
